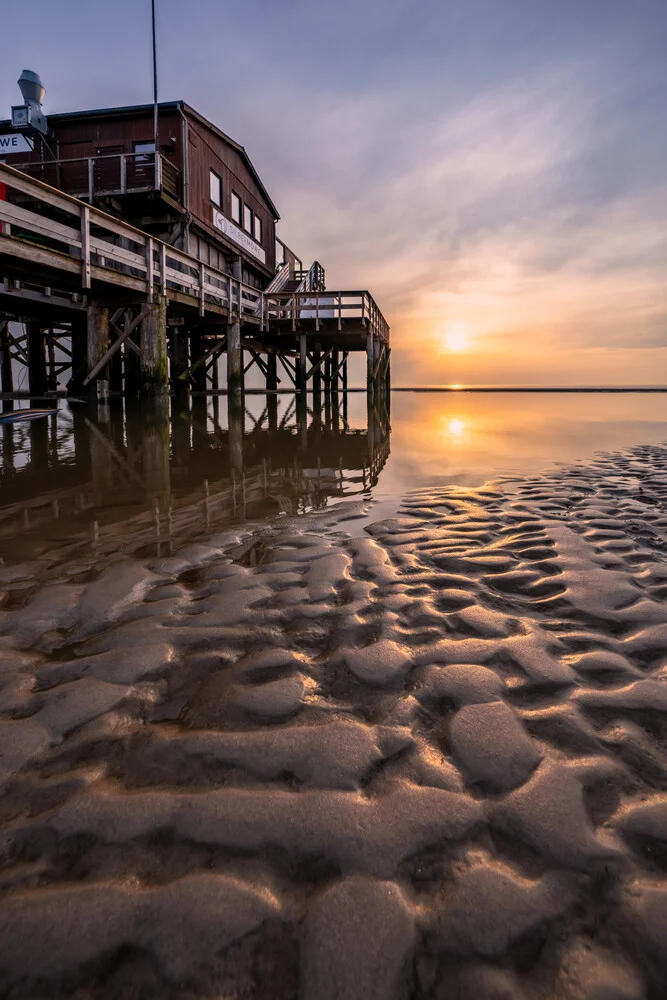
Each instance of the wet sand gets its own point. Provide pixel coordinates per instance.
(426, 759)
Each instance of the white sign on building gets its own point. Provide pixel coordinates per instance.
(238, 236)
(14, 142)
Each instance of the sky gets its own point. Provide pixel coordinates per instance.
(493, 171)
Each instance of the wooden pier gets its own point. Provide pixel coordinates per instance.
(109, 308)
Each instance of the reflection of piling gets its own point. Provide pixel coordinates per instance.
(180, 432)
(8, 449)
(101, 465)
(235, 420)
(156, 474)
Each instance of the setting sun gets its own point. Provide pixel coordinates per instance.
(456, 427)
(456, 338)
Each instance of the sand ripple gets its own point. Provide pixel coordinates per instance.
(428, 762)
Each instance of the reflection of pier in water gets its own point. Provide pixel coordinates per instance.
(145, 480)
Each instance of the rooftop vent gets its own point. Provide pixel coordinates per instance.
(30, 113)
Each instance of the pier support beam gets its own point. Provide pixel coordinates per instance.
(301, 365)
(317, 389)
(234, 358)
(37, 380)
(370, 361)
(98, 339)
(154, 365)
(179, 357)
(271, 371)
(6, 374)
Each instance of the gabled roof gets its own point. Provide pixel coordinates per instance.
(166, 106)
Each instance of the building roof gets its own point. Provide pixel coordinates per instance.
(165, 106)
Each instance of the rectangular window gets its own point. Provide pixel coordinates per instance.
(216, 189)
(247, 218)
(236, 208)
(143, 151)
(258, 229)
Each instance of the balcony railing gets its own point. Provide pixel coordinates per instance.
(112, 174)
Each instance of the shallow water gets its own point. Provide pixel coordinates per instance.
(332, 711)
(142, 482)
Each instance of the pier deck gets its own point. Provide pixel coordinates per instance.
(115, 305)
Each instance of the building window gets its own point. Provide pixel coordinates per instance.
(258, 229)
(143, 151)
(216, 189)
(247, 218)
(236, 208)
(280, 253)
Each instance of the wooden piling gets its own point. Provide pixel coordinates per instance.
(98, 339)
(271, 371)
(234, 357)
(179, 356)
(154, 364)
(370, 363)
(6, 373)
(37, 380)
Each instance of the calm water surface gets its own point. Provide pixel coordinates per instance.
(90, 483)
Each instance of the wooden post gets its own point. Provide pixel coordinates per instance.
(234, 357)
(78, 347)
(98, 339)
(302, 419)
(197, 350)
(301, 365)
(271, 371)
(369, 361)
(116, 370)
(317, 390)
(154, 364)
(51, 376)
(131, 361)
(5, 358)
(36, 359)
(179, 356)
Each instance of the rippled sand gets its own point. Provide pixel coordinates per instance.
(427, 760)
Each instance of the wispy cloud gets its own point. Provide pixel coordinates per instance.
(500, 167)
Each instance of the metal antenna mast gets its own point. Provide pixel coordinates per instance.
(154, 77)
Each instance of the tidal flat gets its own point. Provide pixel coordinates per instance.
(373, 706)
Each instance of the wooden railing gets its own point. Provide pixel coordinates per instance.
(109, 174)
(326, 309)
(59, 230)
(312, 280)
(45, 227)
